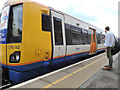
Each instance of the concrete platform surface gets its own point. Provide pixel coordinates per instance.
(105, 78)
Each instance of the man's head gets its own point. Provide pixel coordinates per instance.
(107, 28)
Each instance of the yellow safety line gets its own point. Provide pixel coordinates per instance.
(57, 81)
(87, 78)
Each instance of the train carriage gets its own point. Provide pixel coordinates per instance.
(35, 38)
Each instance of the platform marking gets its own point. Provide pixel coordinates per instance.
(95, 72)
(4, 86)
(87, 79)
(59, 80)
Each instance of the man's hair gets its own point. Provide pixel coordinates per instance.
(107, 28)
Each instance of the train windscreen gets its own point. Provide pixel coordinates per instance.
(15, 24)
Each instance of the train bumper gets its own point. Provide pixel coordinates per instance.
(18, 77)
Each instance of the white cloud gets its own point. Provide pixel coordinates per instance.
(100, 13)
(1, 4)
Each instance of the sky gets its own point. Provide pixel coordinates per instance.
(100, 13)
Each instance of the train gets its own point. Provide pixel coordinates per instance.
(35, 38)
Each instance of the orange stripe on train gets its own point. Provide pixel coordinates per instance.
(12, 64)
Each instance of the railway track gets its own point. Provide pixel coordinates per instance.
(5, 84)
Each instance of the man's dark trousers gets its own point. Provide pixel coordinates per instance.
(109, 55)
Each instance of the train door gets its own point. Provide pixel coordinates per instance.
(93, 41)
(58, 32)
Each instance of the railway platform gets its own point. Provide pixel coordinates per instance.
(85, 74)
(105, 78)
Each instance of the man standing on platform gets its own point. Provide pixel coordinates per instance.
(109, 42)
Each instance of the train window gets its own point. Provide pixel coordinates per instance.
(68, 34)
(58, 31)
(73, 35)
(15, 24)
(85, 37)
(100, 38)
(89, 36)
(17, 21)
(45, 22)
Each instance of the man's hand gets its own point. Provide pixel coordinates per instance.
(103, 39)
(106, 50)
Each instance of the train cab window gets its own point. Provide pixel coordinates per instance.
(17, 21)
(45, 22)
(15, 24)
(58, 31)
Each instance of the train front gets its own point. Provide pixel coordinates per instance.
(21, 56)
(10, 37)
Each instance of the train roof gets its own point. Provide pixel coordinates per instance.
(11, 2)
(67, 15)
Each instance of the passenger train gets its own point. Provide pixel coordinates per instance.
(35, 38)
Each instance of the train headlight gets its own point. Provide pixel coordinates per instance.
(15, 57)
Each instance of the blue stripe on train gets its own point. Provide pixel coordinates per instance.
(46, 63)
